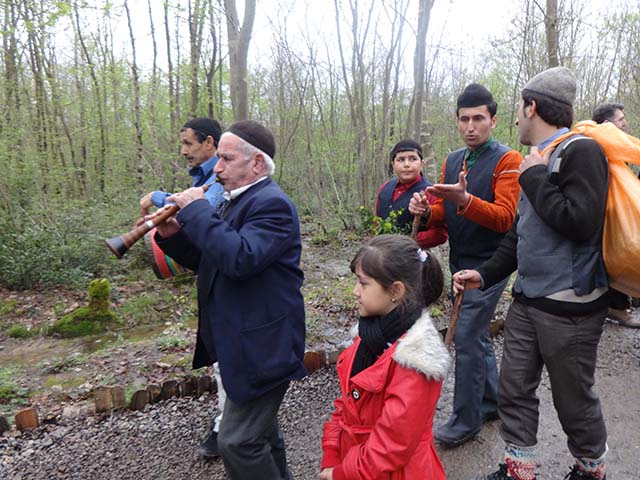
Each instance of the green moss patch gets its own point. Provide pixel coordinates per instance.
(96, 318)
(84, 321)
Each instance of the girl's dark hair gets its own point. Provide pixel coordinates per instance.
(393, 258)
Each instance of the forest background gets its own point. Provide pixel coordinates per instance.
(93, 94)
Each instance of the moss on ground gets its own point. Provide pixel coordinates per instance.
(96, 318)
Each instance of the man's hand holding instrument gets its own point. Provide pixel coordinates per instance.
(120, 245)
(462, 280)
(421, 212)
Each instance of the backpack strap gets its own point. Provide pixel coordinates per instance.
(555, 160)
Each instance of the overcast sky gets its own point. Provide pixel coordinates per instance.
(453, 23)
(465, 26)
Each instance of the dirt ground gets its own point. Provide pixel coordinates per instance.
(60, 373)
(618, 385)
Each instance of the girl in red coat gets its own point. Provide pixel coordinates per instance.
(391, 376)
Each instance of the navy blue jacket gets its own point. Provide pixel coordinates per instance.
(386, 204)
(250, 309)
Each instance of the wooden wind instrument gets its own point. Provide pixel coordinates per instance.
(121, 245)
(415, 226)
(455, 313)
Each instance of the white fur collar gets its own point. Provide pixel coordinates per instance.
(423, 350)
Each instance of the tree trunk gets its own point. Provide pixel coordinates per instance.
(136, 102)
(173, 114)
(196, 21)
(213, 67)
(100, 164)
(551, 30)
(419, 62)
(154, 80)
(239, 39)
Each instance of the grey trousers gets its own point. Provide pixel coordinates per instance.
(568, 347)
(250, 442)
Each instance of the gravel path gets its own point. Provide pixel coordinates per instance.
(160, 443)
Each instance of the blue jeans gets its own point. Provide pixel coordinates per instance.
(476, 382)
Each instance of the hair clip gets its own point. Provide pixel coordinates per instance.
(423, 255)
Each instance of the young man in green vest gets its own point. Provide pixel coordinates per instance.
(477, 198)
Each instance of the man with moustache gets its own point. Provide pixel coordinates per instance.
(251, 312)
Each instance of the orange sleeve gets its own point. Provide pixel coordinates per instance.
(499, 214)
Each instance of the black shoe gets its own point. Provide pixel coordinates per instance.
(577, 474)
(455, 442)
(490, 417)
(500, 474)
(209, 448)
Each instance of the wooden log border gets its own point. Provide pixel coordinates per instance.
(108, 399)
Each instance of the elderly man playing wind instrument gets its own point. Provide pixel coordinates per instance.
(251, 311)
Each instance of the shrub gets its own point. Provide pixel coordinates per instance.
(19, 331)
(168, 343)
(8, 307)
(10, 391)
(374, 225)
(60, 246)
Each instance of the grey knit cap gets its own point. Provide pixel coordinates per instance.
(557, 83)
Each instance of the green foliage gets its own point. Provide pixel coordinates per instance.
(20, 331)
(168, 342)
(8, 307)
(326, 237)
(139, 310)
(378, 226)
(63, 247)
(188, 303)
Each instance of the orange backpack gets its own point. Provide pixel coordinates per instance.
(621, 236)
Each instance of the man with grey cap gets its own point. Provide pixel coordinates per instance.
(559, 296)
(251, 312)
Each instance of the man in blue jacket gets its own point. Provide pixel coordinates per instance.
(251, 311)
(199, 138)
